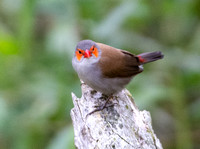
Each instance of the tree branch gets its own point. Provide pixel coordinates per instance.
(121, 126)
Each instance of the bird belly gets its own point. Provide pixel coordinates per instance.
(107, 86)
(91, 75)
(110, 86)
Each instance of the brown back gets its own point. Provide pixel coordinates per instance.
(118, 63)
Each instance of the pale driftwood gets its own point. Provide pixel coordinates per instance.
(121, 126)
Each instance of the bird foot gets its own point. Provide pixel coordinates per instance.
(101, 107)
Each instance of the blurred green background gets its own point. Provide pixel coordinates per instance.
(37, 40)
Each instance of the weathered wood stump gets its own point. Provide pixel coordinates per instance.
(119, 126)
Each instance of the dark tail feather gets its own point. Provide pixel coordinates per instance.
(150, 57)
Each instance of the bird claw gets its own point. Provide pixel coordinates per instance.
(100, 108)
(105, 105)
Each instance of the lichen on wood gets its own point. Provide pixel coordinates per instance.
(118, 126)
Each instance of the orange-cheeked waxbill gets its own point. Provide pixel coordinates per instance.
(107, 69)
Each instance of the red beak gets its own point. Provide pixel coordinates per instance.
(87, 53)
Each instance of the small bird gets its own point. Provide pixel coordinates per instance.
(107, 69)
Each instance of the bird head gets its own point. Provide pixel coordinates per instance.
(86, 49)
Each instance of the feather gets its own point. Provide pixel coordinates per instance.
(116, 63)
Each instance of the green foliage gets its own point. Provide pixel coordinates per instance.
(37, 40)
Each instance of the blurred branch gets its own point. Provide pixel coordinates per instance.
(119, 126)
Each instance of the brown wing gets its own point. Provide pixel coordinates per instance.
(118, 63)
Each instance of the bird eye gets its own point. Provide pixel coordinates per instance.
(79, 54)
(94, 50)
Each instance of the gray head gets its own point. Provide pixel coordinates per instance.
(87, 49)
(85, 44)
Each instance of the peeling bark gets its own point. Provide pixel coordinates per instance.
(121, 126)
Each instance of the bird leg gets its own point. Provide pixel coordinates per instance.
(105, 105)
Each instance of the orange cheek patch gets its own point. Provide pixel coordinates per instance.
(78, 55)
(94, 50)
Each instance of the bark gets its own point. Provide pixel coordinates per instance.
(119, 126)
